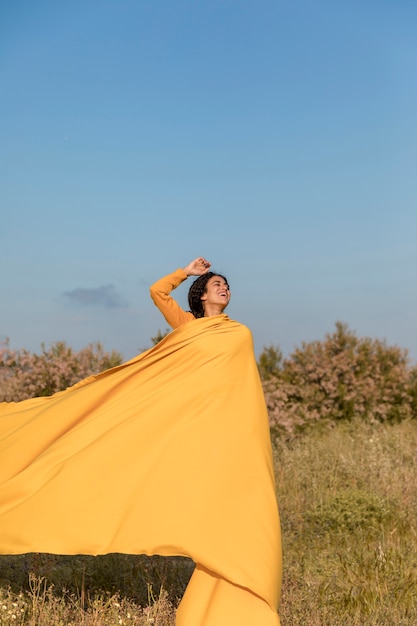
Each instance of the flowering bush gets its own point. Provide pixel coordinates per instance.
(339, 378)
(25, 375)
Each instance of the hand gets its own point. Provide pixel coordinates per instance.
(198, 267)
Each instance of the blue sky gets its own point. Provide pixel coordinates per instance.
(277, 139)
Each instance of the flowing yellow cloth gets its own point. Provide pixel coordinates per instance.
(166, 454)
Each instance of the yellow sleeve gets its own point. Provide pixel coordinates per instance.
(160, 294)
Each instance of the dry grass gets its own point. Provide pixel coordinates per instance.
(40, 606)
(348, 501)
(51, 590)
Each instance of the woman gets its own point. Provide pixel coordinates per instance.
(208, 594)
(166, 454)
(209, 295)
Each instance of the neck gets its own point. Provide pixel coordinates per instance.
(213, 309)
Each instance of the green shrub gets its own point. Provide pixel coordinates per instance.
(348, 510)
(340, 378)
(25, 375)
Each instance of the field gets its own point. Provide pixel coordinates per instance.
(348, 501)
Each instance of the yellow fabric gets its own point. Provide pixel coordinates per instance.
(166, 454)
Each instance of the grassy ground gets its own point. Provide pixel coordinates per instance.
(348, 501)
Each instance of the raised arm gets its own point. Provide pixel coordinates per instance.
(198, 267)
(160, 292)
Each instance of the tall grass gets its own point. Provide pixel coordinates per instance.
(348, 501)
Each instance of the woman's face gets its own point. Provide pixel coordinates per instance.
(217, 292)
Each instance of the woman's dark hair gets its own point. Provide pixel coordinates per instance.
(198, 289)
